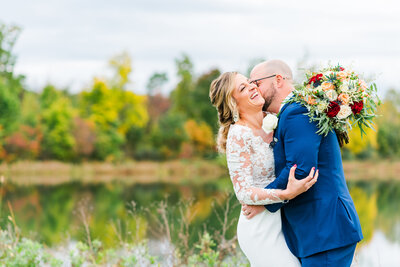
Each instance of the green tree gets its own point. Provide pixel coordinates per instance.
(8, 37)
(139, 140)
(181, 100)
(9, 108)
(169, 134)
(115, 111)
(10, 84)
(157, 104)
(388, 124)
(156, 82)
(204, 111)
(121, 64)
(57, 122)
(30, 102)
(99, 105)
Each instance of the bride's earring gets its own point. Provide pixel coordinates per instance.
(235, 116)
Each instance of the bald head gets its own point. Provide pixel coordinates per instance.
(271, 67)
(274, 79)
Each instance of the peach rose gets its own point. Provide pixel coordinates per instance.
(342, 75)
(345, 98)
(363, 84)
(344, 112)
(326, 86)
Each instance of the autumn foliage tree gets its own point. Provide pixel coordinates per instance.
(57, 123)
(108, 121)
(113, 109)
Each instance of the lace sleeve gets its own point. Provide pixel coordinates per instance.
(238, 152)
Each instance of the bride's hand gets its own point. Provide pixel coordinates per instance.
(252, 210)
(295, 187)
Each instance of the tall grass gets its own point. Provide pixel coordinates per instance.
(170, 243)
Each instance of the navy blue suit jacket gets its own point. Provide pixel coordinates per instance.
(324, 217)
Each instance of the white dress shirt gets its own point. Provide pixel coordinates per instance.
(284, 100)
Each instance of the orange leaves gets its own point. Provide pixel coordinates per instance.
(200, 136)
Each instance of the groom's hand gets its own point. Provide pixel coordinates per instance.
(250, 210)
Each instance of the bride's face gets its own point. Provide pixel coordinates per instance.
(247, 95)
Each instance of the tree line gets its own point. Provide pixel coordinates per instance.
(108, 122)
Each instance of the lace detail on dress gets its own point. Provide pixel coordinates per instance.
(251, 166)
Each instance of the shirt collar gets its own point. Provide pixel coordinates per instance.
(285, 100)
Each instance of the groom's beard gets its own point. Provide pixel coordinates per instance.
(269, 99)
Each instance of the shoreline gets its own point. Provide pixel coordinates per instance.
(55, 172)
(176, 171)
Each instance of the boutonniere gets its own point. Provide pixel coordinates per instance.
(269, 123)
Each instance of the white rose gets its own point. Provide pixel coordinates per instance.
(344, 112)
(352, 85)
(269, 123)
(344, 87)
(331, 94)
(318, 89)
(322, 106)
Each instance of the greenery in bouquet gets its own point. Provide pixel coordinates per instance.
(338, 99)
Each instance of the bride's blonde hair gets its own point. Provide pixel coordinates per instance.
(221, 90)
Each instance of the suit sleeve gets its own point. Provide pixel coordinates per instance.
(301, 147)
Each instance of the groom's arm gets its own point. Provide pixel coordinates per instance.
(301, 147)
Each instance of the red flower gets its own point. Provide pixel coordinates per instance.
(333, 109)
(357, 107)
(341, 69)
(315, 78)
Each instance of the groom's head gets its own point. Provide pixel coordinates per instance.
(275, 81)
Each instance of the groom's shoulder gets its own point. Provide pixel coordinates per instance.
(293, 109)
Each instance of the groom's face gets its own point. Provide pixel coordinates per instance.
(267, 87)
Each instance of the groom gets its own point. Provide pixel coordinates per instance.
(321, 226)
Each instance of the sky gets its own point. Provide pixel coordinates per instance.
(68, 42)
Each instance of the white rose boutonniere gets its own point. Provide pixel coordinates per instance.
(269, 123)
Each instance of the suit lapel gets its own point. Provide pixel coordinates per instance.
(276, 134)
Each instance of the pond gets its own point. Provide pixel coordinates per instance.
(114, 211)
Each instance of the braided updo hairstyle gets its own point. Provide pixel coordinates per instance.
(221, 90)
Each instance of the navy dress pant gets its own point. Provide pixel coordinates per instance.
(339, 257)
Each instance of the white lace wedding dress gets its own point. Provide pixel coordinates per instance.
(251, 168)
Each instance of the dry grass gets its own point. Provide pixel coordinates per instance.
(372, 170)
(53, 173)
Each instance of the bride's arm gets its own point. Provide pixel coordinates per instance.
(238, 154)
(240, 170)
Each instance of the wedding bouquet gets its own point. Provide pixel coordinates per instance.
(337, 98)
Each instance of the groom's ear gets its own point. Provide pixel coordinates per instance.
(279, 80)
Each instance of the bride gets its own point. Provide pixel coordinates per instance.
(251, 167)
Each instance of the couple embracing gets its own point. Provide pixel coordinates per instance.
(297, 210)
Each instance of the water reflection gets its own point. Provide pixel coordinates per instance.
(52, 214)
(379, 252)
